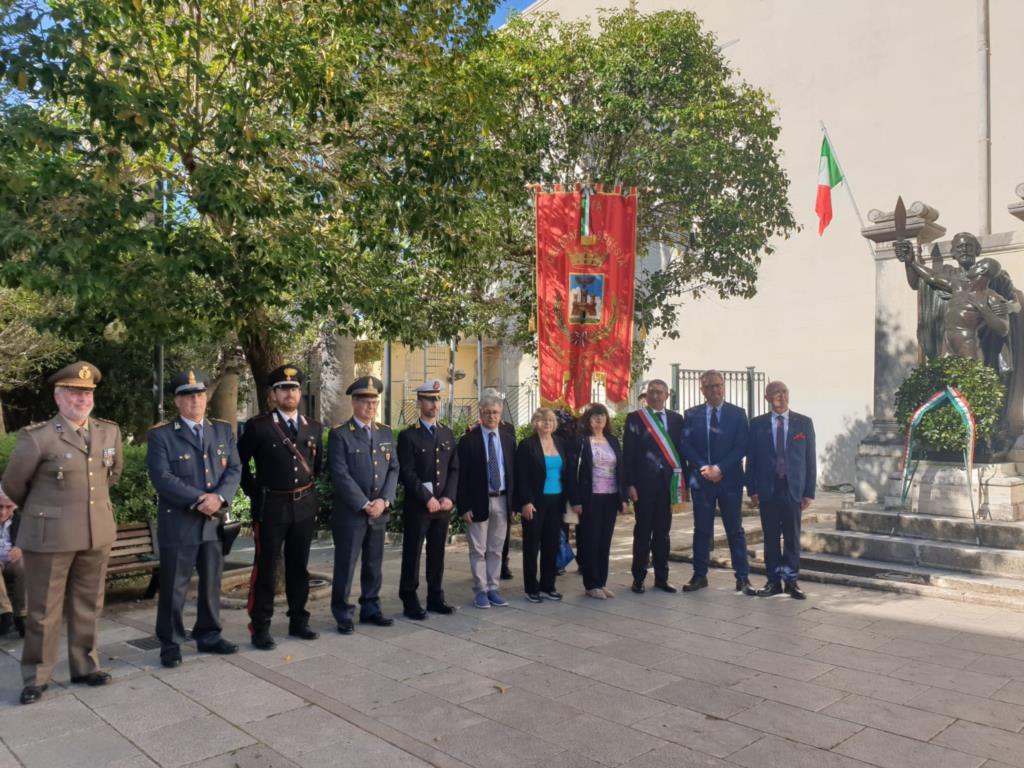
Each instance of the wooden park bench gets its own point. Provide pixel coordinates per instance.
(136, 551)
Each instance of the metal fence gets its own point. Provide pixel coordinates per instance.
(743, 388)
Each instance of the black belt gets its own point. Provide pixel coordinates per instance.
(496, 494)
(294, 493)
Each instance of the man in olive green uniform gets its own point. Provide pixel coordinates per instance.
(60, 474)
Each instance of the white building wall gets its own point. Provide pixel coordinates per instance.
(897, 84)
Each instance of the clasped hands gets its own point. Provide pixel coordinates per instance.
(376, 508)
(209, 504)
(711, 473)
(444, 504)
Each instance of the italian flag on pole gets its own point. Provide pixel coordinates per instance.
(829, 176)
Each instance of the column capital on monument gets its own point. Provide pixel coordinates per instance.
(921, 224)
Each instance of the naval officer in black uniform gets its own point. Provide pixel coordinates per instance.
(287, 451)
(363, 464)
(429, 471)
(193, 464)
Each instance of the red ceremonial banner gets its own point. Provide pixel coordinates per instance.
(585, 274)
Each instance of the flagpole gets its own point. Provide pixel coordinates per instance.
(846, 183)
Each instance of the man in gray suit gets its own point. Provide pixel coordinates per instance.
(363, 463)
(193, 464)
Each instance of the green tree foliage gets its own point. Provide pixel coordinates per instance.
(942, 428)
(223, 169)
(646, 100)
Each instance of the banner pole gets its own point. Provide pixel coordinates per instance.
(970, 492)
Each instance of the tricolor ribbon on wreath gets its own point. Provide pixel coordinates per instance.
(963, 409)
(668, 450)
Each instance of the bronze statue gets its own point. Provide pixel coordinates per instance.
(971, 309)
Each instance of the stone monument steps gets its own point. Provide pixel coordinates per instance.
(927, 553)
(1002, 535)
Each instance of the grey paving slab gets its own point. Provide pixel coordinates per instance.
(651, 654)
(624, 674)
(53, 717)
(578, 634)
(255, 756)
(987, 644)
(189, 741)
(101, 743)
(693, 667)
(793, 692)
(543, 679)
(676, 756)
(528, 712)
(780, 642)
(710, 648)
(564, 760)
(987, 742)
(886, 716)
(961, 680)
(1000, 666)
(891, 751)
(427, 718)
(776, 752)
(698, 731)
(976, 709)
(708, 699)
(7, 759)
(816, 730)
(716, 628)
(456, 685)
(848, 636)
(602, 741)
(251, 704)
(857, 658)
(872, 685)
(493, 745)
(615, 704)
(297, 731)
(366, 691)
(360, 749)
(952, 658)
(784, 665)
(1012, 692)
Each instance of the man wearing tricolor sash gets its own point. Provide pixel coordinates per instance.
(714, 444)
(653, 472)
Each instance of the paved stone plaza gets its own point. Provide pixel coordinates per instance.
(847, 678)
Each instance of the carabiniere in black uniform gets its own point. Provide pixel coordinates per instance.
(288, 455)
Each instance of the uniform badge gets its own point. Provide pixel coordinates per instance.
(223, 461)
(108, 457)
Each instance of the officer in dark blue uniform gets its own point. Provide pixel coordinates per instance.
(193, 464)
(286, 450)
(363, 464)
(429, 471)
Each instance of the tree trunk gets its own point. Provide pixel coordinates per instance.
(262, 355)
(339, 371)
(3, 428)
(224, 398)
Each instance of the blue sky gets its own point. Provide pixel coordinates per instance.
(505, 8)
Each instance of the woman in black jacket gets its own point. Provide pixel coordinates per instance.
(541, 462)
(596, 495)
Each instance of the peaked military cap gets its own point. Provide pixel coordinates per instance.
(365, 386)
(430, 390)
(78, 375)
(189, 382)
(285, 377)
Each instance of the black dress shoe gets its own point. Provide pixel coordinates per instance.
(506, 574)
(262, 640)
(345, 627)
(6, 622)
(638, 587)
(19, 624)
(303, 632)
(30, 694)
(378, 619)
(415, 612)
(93, 678)
(442, 608)
(222, 648)
(664, 586)
(771, 589)
(743, 585)
(794, 591)
(694, 584)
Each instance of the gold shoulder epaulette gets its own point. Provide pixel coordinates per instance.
(160, 424)
(104, 421)
(218, 421)
(34, 427)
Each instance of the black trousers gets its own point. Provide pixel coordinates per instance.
(541, 536)
(651, 529)
(278, 528)
(780, 520)
(355, 539)
(594, 535)
(176, 566)
(419, 526)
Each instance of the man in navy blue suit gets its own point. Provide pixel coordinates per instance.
(714, 444)
(781, 483)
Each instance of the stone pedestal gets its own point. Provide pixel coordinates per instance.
(940, 488)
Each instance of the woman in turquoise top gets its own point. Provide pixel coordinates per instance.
(540, 497)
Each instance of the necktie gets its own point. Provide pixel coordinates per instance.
(198, 429)
(713, 435)
(84, 434)
(662, 419)
(780, 446)
(293, 428)
(493, 473)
